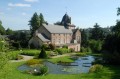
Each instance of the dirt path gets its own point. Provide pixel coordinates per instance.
(69, 54)
(25, 58)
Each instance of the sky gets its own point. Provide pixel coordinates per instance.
(15, 14)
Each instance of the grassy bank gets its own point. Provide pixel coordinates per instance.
(109, 72)
(63, 59)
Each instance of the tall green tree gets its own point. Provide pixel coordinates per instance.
(111, 46)
(41, 17)
(9, 31)
(34, 23)
(84, 38)
(2, 29)
(97, 33)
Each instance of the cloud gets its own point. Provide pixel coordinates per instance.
(31, 0)
(19, 5)
(24, 14)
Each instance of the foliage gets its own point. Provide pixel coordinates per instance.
(3, 59)
(3, 45)
(33, 62)
(41, 17)
(20, 39)
(52, 46)
(96, 68)
(2, 29)
(81, 54)
(13, 55)
(42, 53)
(111, 46)
(65, 46)
(62, 59)
(84, 38)
(71, 50)
(97, 33)
(57, 23)
(43, 70)
(35, 22)
(95, 46)
(62, 50)
(30, 52)
(9, 31)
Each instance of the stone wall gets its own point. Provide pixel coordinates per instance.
(61, 38)
(75, 47)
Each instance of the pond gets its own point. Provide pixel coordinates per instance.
(80, 65)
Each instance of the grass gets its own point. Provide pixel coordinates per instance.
(30, 52)
(110, 72)
(63, 59)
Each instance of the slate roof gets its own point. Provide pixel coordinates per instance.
(57, 29)
(42, 37)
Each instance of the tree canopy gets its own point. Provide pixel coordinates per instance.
(97, 33)
(35, 22)
(2, 29)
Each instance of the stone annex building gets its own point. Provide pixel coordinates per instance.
(60, 34)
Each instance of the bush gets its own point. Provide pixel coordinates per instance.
(62, 50)
(30, 52)
(95, 68)
(95, 46)
(52, 46)
(43, 70)
(71, 50)
(14, 55)
(33, 62)
(65, 46)
(42, 53)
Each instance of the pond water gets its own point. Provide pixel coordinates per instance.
(81, 65)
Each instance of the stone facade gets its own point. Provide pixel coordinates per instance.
(59, 35)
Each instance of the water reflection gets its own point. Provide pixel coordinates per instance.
(81, 65)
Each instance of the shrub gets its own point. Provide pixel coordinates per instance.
(65, 46)
(95, 46)
(33, 62)
(62, 50)
(43, 70)
(13, 55)
(95, 68)
(30, 52)
(42, 53)
(71, 50)
(83, 49)
(52, 46)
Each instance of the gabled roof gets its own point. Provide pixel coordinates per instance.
(57, 29)
(42, 37)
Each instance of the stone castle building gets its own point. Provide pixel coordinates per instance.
(60, 35)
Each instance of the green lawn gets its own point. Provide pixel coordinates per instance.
(109, 72)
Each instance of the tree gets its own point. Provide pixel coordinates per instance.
(111, 46)
(42, 53)
(34, 23)
(58, 23)
(84, 38)
(9, 31)
(41, 17)
(97, 33)
(2, 29)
